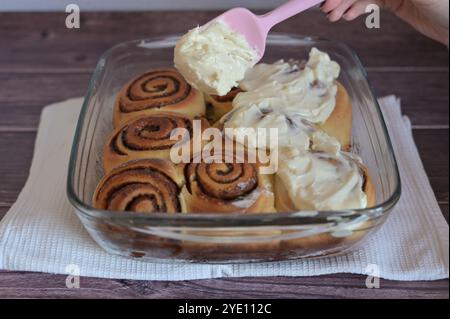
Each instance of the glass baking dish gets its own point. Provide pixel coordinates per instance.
(227, 237)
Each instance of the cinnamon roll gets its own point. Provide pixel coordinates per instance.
(339, 124)
(318, 180)
(143, 186)
(217, 106)
(309, 90)
(229, 185)
(334, 240)
(148, 137)
(154, 91)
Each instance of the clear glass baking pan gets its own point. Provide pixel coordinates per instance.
(231, 237)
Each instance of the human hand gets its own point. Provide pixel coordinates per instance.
(429, 17)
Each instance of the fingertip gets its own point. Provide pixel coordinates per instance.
(323, 7)
(349, 16)
(333, 16)
(332, 19)
(328, 5)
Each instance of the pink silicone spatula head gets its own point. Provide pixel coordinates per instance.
(255, 28)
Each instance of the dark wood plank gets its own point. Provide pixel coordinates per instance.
(15, 167)
(23, 110)
(3, 210)
(424, 96)
(39, 89)
(444, 209)
(22, 96)
(433, 149)
(40, 41)
(19, 284)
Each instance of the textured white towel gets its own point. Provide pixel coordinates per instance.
(42, 233)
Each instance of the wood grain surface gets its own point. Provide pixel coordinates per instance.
(43, 62)
(18, 284)
(57, 49)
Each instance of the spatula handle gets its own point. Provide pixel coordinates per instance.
(286, 11)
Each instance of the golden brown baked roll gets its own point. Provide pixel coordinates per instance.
(324, 243)
(339, 124)
(227, 187)
(155, 91)
(144, 186)
(217, 106)
(369, 188)
(147, 137)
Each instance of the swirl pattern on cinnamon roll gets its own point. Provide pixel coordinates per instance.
(154, 91)
(226, 185)
(143, 186)
(148, 137)
(217, 106)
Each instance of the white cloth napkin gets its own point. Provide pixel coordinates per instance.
(42, 233)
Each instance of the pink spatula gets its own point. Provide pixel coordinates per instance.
(255, 28)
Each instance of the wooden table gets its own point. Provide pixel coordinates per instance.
(42, 62)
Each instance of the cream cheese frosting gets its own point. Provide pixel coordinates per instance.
(244, 121)
(214, 58)
(292, 130)
(307, 90)
(289, 96)
(322, 180)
